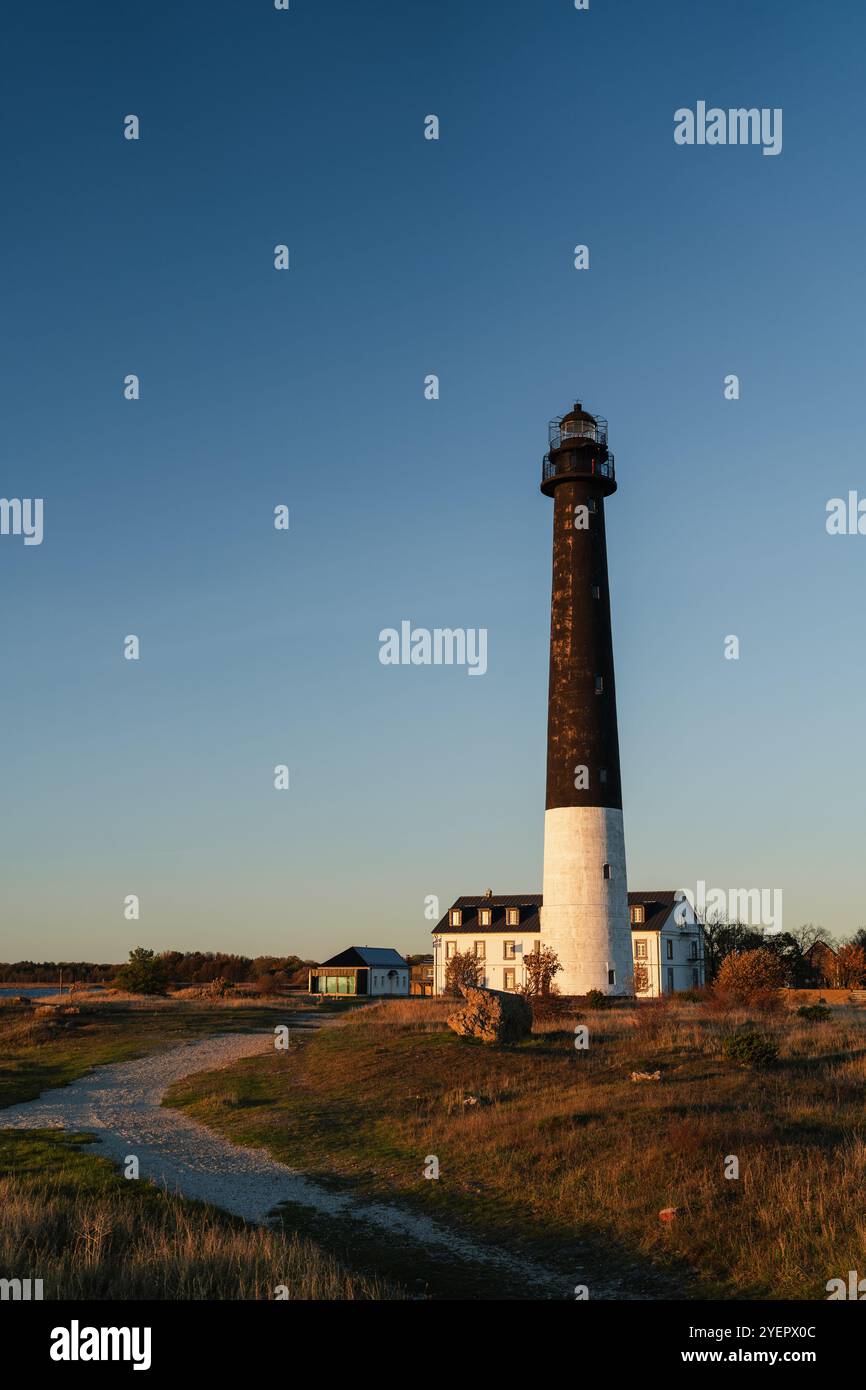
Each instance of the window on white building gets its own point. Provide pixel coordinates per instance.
(640, 950)
(450, 950)
(508, 950)
(670, 950)
(479, 950)
(508, 979)
(693, 950)
(637, 914)
(512, 917)
(455, 917)
(485, 916)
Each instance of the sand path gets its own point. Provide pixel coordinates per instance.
(121, 1106)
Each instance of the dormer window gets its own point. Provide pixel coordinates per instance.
(512, 916)
(637, 914)
(485, 916)
(455, 917)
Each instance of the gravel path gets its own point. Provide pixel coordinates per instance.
(121, 1105)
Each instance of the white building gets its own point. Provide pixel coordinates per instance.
(499, 931)
(366, 971)
(667, 942)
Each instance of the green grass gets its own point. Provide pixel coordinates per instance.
(36, 1055)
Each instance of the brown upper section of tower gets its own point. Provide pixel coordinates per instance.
(578, 449)
(582, 740)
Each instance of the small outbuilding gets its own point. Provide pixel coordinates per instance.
(368, 971)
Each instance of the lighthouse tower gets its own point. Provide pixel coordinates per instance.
(584, 917)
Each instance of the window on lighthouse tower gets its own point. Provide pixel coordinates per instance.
(608, 872)
(599, 685)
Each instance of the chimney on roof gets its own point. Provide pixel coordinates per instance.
(489, 893)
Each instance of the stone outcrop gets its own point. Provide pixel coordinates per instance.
(491, 1015)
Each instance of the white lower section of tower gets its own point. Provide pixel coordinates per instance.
(584, 917)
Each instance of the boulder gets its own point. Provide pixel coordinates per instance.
(492, 1015)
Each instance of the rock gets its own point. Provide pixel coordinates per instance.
(646, 1076)
(669, 1213)
(491, 1015)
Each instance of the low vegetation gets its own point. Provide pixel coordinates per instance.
(69, 1220)
(43, 1046)
(550, 1151)
(545, 1149)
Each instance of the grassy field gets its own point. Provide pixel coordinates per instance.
(71, 1220)
(561, 1158)
(39, 1050)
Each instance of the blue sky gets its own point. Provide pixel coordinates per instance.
(305, 387)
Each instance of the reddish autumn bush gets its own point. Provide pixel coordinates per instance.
(850, 966)
(752, 977)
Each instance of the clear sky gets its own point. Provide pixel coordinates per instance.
(305, 387)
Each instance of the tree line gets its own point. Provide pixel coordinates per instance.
(176, 967)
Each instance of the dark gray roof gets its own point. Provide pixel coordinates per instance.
(368, 955)
(529, 903)
(658, 907)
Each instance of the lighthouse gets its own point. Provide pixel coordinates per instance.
(585, 913)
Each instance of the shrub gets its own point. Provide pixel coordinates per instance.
(462, 969)
(539, 967)
(750, 976)
(814, 1013)
(850, 966)
(143, 973)
(595, 999)
(750, 1048)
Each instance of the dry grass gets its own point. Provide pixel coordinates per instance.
(95, 1246)
(562, 1148)
(422, 1015)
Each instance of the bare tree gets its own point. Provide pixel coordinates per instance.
(463, 968)
(540, 966)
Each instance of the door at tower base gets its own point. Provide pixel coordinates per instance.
(584, 917)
